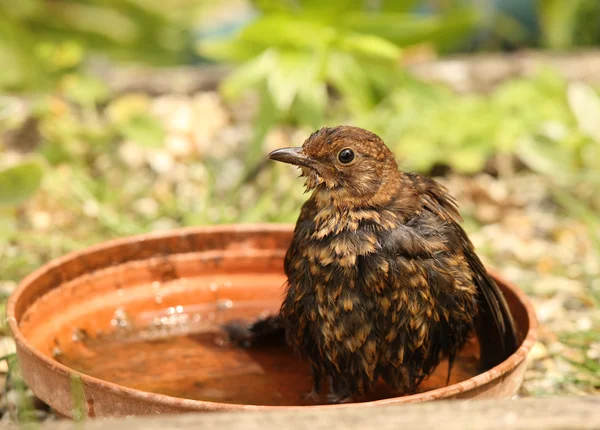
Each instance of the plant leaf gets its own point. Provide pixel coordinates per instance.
(293, 71)
(350, 79)
(144, 130)
(232, 50)
(370, 46)
(288, 31)
(18, 183)
(405, 29)
(546, 158)
(249, 75)
(585, 105)
(85, 90)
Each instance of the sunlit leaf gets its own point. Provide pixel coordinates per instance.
(107, 22)
(585, 104)
(350, 79)
(84, 90)
(558, 22)
(283, 30)
(371, 46)
(249, 75)
(122, 109)
(144, 130)
(545, 157)
(16, 47)
(18, 183)
(268, 116)
(398, 5)
(311, 103)
(467, 159)
(292, 72)
(8, 224)
(333, 6)
(271, 6)
(228, 50)
(405, 29)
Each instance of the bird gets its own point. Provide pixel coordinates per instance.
(382, 281)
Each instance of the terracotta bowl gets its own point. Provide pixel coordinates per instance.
(131, 327)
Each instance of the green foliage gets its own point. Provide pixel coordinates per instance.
(429, 125)
(19, 182)
(130, 117)
(43, 39)
(588, 365)
(292, 55)
(567, 24)
(78, 398)
(297, 55)
(22, 411)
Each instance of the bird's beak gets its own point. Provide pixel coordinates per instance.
(292, 156)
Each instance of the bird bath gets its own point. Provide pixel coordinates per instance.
(131, 327)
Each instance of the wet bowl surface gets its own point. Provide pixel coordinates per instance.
(131, 327)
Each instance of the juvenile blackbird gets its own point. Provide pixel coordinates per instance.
(382, 280)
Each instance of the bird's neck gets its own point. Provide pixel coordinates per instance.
(337, 211)
(396, 193)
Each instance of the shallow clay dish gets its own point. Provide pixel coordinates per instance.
(131, 327)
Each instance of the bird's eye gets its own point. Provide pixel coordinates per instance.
(346, 156)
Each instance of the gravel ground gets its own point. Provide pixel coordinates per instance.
(512, 221)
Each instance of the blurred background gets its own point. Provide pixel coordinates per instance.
(119, 117)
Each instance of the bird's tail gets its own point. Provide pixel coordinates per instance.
(494, 324)
(265, 331)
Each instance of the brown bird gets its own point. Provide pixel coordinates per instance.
(383, 282)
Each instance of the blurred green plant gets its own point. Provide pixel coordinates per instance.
(429, 124)
(568, 154)
(19, 182)
(297, 54)
(20, 408)
(43, 39)
(568, 24)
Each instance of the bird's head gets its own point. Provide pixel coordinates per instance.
(348, 162)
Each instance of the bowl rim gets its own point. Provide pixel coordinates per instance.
(178, 403)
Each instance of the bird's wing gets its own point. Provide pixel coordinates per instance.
(436, 198)
(495, 325)
(305, 220)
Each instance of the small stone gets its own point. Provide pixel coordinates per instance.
(584, 324)
(550, 285)
(179, 145)
(160, 161)
(594, 351)
(146, 206)
(7, 288)
(41, 220)
(91, 208)
(538, 352)
(549, 310)
(175, 112)
(209, 110)
(132, 154)
(7, 346)
(234, 168)
(163, 224)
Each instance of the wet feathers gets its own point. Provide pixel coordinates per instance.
(382, 279)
